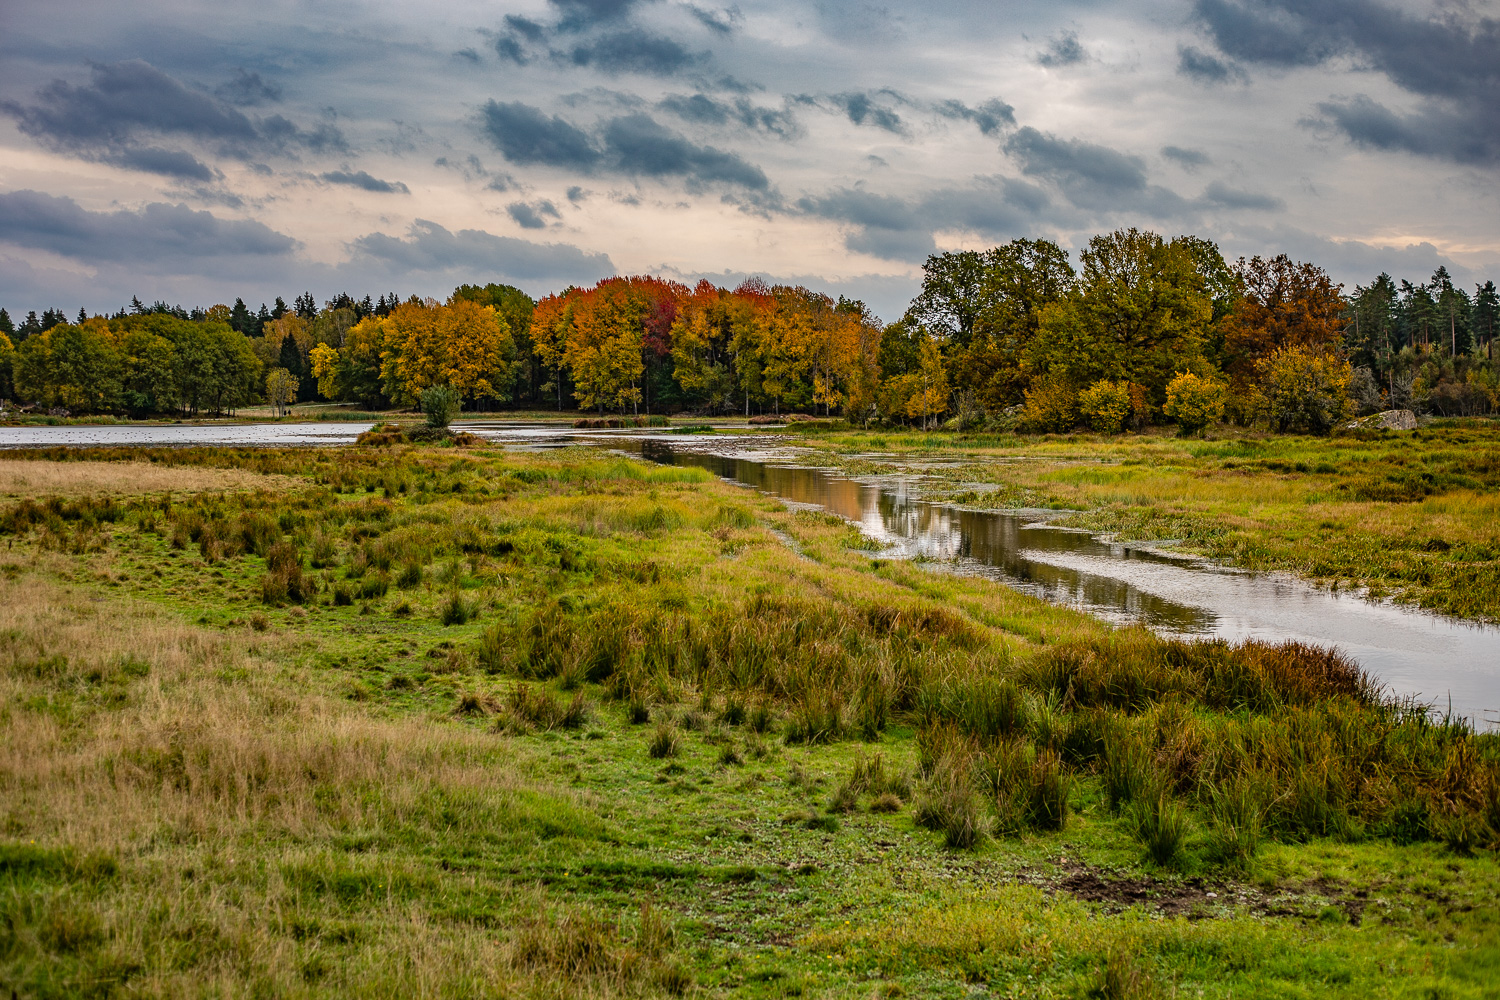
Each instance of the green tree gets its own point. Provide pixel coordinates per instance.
(150, 375)
(1021, 279)
(952, 297)
(1486, 316)
(1139, 314)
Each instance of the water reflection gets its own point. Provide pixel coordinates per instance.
(1439, 660)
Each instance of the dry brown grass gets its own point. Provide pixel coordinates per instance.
(23, 478)
(222, 779)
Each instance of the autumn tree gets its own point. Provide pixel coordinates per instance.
(1282, 303)
(281, 390)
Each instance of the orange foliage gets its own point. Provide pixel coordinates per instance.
(1282, 304)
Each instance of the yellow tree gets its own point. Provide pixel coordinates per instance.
(281, 389)
(930, 382)
(325, 368)
(603, 348)
(478, 350)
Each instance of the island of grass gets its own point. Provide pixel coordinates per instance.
(411, 720)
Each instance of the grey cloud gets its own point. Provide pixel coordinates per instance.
(1063, 50)
(525, 27)
(511, 48)
(1102, 180)
(634, 144)
(108, 119)
(633, 51)
(1220, 195)
(1470, 136)
(720, 21)
(364, 182)
(1073, 162)
(167, 162)
(638, 144)
(1199, 65)
(530, 216)
(991, 116)
(161, 234)
(1265, 31)
(861, 108)
(1453, 61)
(1188, 159)
(579, 14)
(468, 55)
(121, 100)
(577, 194)
(697, 108)
(524, 135)
(248, 90)
(702, 109)
(900, 229)
(429, 247)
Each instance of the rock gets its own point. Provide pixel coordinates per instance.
(1388, 420)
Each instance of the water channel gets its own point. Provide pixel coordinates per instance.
(1451, 664)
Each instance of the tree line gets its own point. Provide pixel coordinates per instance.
(1141, 330)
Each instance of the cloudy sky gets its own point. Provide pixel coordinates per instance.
(193, 152)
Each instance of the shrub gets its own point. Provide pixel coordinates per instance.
(373, 586)
(491, 649)
(440, 403)
(1194, 402)
(1051, 405)
(1105, 405)
(1300, 389)
(1128, 773)
(284, 580)
(410, 576)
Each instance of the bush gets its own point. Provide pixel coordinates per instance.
(1051, 405)
(440, 403)
(1195, 402)
(1105, 405)
(1303, 390)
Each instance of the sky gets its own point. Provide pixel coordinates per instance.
(194, 152)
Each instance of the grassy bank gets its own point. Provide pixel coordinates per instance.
(1415, 516)
(419, 722)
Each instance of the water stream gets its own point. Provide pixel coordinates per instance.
(1451, 664)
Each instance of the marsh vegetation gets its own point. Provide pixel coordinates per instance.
(441, 721)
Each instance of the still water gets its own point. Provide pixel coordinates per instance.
(1450, 664)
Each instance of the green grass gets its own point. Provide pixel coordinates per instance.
(661, 751)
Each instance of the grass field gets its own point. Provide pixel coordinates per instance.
(1415, 516)
(449, 722)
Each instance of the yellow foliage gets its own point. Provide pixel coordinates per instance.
(1195, 402)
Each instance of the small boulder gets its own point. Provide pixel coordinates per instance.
(1387, 420)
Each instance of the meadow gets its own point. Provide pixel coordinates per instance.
(420, 721)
